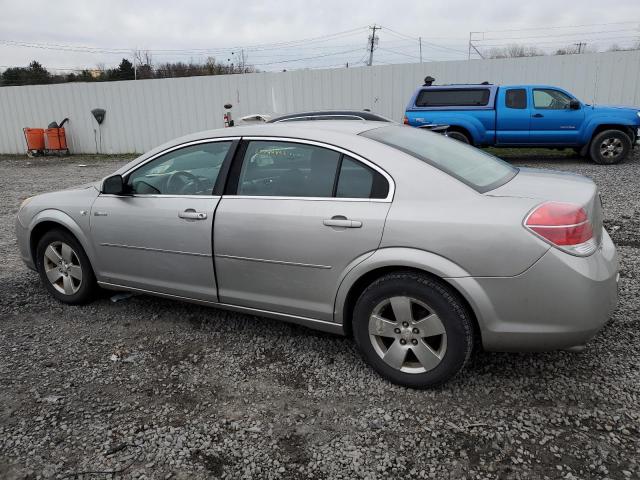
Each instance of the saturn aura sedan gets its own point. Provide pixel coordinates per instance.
(418, 246)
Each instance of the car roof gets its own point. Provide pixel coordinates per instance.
(364, 115)
(331, 131)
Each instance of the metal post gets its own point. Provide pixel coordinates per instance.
(420, 42)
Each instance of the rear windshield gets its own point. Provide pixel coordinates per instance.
(474, 97)
(478, 169)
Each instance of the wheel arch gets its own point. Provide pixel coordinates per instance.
(595, 128)
(48, 220)
(465, 131)
(389, 260)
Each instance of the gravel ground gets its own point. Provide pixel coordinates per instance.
(149, 388)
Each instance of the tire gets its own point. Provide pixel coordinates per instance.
(64, 268)
(459, 136)
(610, 147)
(423, 361)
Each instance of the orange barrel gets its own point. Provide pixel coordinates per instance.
(35, 138)
(56, 139)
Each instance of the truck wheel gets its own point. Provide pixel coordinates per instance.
(609, 147)
(459, 136)
(412, 330)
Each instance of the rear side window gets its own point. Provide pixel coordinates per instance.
(290, 169)
(473, 97)
(516, 98)
(359, 181)
(287, 169)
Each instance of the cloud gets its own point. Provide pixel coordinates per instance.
(201, 24)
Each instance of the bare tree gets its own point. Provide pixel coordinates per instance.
(514, 51)
(144, 63)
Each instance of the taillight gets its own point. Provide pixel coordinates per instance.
(405, 120)
(564, 225)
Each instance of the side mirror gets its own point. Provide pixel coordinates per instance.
(574, 105)
(113, 185)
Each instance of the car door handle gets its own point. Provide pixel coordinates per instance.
(191, 214)
(340, 221)
(537, 115)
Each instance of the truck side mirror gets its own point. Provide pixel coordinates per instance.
(574, 105)
(113, 185)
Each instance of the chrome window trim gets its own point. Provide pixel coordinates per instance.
(356, 117)
(156, 195)
(177, 147)
(388, 178)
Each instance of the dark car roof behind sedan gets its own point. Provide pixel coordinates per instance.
(330, 115)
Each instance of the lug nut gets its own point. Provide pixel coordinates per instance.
(396, 330)
(403, 341)
(415, 330)
(414, 341)
(405, 324)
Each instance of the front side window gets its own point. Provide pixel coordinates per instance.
(471, 97)
(516, 98)
(479, 170)
(190, 170)
(549, 99)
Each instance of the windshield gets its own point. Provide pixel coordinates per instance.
(478, 169)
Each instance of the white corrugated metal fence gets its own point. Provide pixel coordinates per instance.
(145, 113)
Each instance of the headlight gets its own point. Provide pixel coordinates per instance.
(638, 113)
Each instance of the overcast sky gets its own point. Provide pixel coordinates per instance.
(199, 28)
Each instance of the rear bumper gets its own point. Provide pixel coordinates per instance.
(560, 302)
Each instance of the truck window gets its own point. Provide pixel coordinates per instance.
(516, 98)
(455, 97)
(549, 99)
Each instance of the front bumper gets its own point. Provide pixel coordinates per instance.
(22, 236)
(560, 302)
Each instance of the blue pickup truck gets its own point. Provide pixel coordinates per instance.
(526, 116)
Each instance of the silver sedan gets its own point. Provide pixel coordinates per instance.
(418, 246)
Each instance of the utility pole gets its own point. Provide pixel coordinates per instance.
(420, 43)
(373, 41)
(580, 45)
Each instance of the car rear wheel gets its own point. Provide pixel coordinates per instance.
(413, 330)
(459, 136)
(610, 147)
(64, 268)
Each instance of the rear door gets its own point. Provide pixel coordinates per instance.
(513, 117)
(158, 238)
(295, 215)
(553, 122)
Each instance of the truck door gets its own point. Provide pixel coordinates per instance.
(513, 117)
(553, 121)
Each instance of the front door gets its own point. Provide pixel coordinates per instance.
(552, 119)
(158, 238)
(296, 216)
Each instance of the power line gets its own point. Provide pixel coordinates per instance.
(560, 26)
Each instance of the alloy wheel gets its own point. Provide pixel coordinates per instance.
(611, 147)
(407, 334)
(62, 267)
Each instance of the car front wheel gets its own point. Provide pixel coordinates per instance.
(413, 330)
(64, 268)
